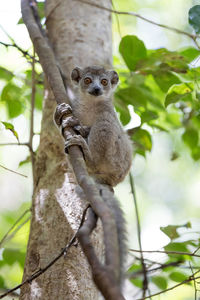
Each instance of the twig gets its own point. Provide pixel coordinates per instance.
(13, 171)
(195, 286)
(90, 189)
(117, 20)
(13, 294)
(17, 229)
(13, 226)
(161, 267)
(41, 271)
(31, 134)
(14, 144)
(192, 36)
(14, 44)
(145, 280)
(33, 5)
(25, 53)
(191, 278)
(196, 250)
(166, 252)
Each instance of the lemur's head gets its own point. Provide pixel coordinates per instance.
(95, 80)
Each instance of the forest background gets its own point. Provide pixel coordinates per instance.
(160, 99)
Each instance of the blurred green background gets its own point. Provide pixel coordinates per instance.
(165, 169)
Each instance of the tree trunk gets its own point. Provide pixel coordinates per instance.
(80, 36)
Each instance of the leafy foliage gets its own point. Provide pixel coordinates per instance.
(194, 18)
(179, 252)
(160, 282)
(162, 87)
(172, 230)
(10, 127)
(132, 50)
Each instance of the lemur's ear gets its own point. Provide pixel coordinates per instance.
(114, 77)
(76, 75)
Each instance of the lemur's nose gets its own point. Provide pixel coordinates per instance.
(97, 90)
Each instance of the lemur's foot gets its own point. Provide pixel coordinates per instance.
(82, 130)
(61, 110)
(78, 140)
(70, 121)
(75, 140)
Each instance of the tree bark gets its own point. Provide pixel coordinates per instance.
(80, 36)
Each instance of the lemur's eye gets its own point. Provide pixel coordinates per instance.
(87, 80)
(104, 82)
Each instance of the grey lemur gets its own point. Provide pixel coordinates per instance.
(106, 147)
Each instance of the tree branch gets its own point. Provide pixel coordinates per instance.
(145, 280)
(161, 267)
(166, 252)
(31, 134)
(191, 278)
(14, 144)
(133, 14)
(53, 75)
(12, 227)
(98, 270)
(25, 53)
(14, 171)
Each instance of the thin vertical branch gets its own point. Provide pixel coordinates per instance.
(145, 280)
(13, 226)
(195, 286)
(33, 91)
(117, 20)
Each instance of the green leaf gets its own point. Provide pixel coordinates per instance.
(163, 60)
(174, 119)
(160, 282)
(11, 95)
(196, 153)
(194, 18)
(171, 230)
(177, 247)
(165, 79)
(122, 108)
(40, 6)
(178, 276)
(137, 282)
(25, 161)
(12, 255)
(2, 283)
(20, 21)
(10, 127)
(142, 139)
(132, 95)
(5, 74)
(190, 53)
(190, 137)
(178, 92)
(38, 98)
(148, 115)
(135, 268)
(132, 50)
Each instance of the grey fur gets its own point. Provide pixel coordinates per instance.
(114, 205)
(106, 147)
(107, 150)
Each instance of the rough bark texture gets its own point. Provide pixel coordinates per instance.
(80, 35)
